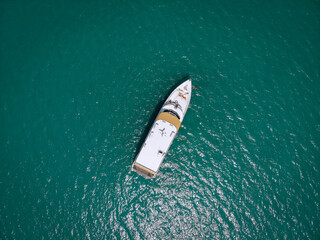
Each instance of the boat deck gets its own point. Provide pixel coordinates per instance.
(163, 131)
(158, 142)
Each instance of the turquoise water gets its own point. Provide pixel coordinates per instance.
(81, 81)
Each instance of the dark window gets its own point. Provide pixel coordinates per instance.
(173, 113)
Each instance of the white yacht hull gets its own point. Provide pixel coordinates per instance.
(163, 131)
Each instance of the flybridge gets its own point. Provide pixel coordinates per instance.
(163, 131)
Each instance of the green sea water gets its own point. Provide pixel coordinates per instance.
(81, 82)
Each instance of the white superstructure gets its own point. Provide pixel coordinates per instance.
(163, 131)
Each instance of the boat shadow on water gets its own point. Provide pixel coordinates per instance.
(155, 114)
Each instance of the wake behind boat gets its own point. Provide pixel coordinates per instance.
(163, 131)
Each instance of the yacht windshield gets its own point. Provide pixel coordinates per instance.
(172, 113)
